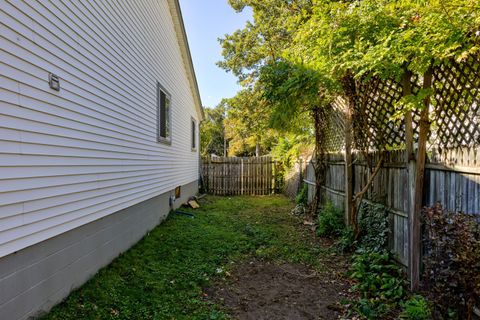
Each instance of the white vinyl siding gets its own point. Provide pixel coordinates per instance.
(69, 157)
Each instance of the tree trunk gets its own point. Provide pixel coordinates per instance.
(411, 165)
(349, 208)
(257, 149)
(349, 88)
(420, 175)
(318, 115)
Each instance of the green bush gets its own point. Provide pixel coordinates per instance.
(330, 221)
(374, 227)
(380, 282)
(416, 308)
(302, 196)
(346, 242)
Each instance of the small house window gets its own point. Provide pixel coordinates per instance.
(163, 115)
(194, 135)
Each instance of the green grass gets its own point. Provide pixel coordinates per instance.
(162, 276)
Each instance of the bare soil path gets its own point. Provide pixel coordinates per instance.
(265, 290)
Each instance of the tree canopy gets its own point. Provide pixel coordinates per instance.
(295, 53)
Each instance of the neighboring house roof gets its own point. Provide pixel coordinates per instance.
(176, 13)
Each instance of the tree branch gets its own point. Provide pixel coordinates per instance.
(359, 196)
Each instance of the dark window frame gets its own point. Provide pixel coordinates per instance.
(193, 134)
(164, 115)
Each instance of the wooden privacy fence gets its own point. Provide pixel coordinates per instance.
(241, 175)
(452, 178)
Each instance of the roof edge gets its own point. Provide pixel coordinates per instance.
(181, 33)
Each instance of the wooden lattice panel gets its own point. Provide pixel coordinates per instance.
(457, 104)
(335, 130)
(373, 121)
(454, 111)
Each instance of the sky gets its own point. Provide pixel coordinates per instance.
(206, 21)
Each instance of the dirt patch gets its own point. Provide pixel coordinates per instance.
(264, 290)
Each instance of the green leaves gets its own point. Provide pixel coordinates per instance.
(212, 131)
(247, 123)
(411, 102)
(416, 308)
(330, 221)
(380, 282)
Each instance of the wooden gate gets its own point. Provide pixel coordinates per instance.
(240, 175)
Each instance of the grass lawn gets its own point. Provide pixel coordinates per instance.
(163, 275)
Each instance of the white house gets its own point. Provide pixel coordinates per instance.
(99, 114)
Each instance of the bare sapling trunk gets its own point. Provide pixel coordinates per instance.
(319, 158)
(349, 88)
(419, 180)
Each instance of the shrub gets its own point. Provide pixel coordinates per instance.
(416, 308)
(452, 261)
(302, 196)
(381, 283)
(346, 242)
(374, 227)
(330, 221)
(380, 280)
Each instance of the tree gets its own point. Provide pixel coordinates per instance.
(294, 91)
(247, 124)
(262, 41)
(212, 132)
(255, 55)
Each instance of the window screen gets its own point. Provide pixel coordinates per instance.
(194, 135)
(163, 115)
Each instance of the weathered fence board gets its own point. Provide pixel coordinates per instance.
(240, 175)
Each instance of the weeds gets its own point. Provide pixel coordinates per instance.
(380, 282)
(302, 196)
(330, 221)
(416, 308)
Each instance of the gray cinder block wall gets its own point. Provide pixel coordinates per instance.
(35, 279)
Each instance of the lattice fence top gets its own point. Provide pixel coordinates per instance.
(454, 109)
(456, 120)
(334, 127)
(374, 126)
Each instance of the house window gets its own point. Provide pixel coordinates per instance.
(194, 135)
(163, 115)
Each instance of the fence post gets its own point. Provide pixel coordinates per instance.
(300, 179)
(241, 178)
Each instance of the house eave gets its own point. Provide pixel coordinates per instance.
(181, 34)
